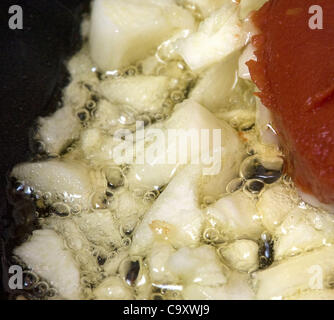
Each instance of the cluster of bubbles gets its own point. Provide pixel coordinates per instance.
(165, 292)
(129, 71)
(100, 199)
(257, 171)
(46, 203)
(178, 73)
(152, 195)
(34, 287)
(87, 112)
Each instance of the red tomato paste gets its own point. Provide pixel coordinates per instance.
(294, 72)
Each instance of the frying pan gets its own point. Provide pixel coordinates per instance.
(32, 75)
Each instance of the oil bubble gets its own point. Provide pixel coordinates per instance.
(150, 196)
(126, 242)
(90, 105)
(47, 196)
(127, 229)
(159, 117)
(211, 235)
(30, 279)
(52, 292)
(235, 185)
(267, 169)
(131, 71)
(75, 209)
(168, 104)
(254, 187)
(40, 289)
(99, 200)
(83, 115)
(177, 96)
(61, 209)
(114, 177)
(130, 270)
(101, 260)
